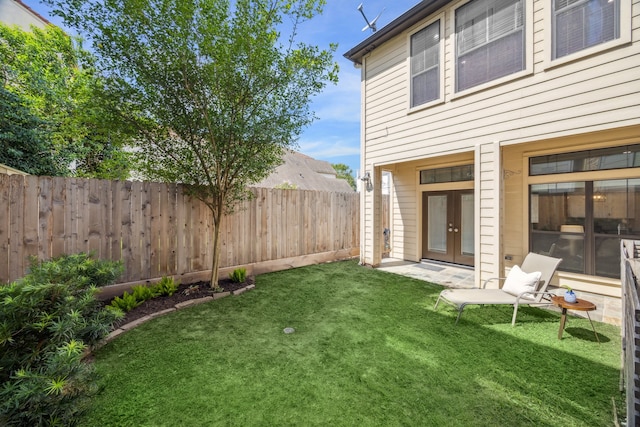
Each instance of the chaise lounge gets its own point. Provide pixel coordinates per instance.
(526, 285)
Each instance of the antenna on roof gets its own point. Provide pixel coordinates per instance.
(370, 25)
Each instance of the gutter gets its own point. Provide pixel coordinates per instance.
(395, 27)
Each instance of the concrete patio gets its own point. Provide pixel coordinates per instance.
(451, 276)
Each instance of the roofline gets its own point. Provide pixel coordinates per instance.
(395, 27)
(42, 18)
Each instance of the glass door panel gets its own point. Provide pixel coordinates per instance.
(448, 226)
(437, 223)
(467, 245)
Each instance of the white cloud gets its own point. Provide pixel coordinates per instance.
(340, 102)
(329, 149)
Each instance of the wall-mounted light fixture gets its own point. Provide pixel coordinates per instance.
(366, 179)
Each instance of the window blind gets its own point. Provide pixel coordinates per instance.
(489, 41)
(580, 24)
(425, 65)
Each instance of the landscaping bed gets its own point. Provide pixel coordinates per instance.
(184, 293)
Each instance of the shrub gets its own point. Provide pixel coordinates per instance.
(77, 270)
(47, 320)
(166, 287)
(239, 275)
(125, 303)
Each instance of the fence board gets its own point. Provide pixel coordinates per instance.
(30, 218)
(155, 238)
(83, 214)
(45, 222)
(156, 229)
(58, 233)
(170, 229)
(5, 227)
(145, 235)
(16, 209)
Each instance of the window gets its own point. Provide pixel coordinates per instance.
(490, 41)
(425, 65)
(452, 174)
(626, 156)
(582, 222)
(580, 24)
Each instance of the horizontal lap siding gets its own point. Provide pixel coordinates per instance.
(156, 230)
(589, 94)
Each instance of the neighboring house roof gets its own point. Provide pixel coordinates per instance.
(305, 173)
(15, 12)
(11, 171)
(395, 27)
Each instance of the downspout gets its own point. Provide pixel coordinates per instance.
(363, 190)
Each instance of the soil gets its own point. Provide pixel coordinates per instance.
(184, 293)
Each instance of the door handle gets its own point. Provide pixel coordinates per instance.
(455, 230)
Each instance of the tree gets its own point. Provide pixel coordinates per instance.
(344, 172)
(53, 78)
(23, 144)
(221, 93)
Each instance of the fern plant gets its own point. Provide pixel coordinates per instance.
(143, 293)
(126, 302)
(166, 287)
(239, 275)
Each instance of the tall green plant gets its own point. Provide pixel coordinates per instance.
(47, 320)
(224, 86)
(55, 81)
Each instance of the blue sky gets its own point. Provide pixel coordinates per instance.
(335, 136)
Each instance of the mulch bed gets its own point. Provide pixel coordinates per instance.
(184, 293)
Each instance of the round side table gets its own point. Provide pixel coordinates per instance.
(579, 305)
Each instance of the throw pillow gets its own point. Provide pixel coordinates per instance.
(519, 282)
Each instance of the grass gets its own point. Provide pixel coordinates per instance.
(368, 350)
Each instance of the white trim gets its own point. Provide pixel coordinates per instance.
(528, 54)
(442, 65)
(625, 37)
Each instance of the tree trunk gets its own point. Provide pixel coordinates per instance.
(215, 262)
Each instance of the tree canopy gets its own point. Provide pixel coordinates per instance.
(60, 120)
(344, 172)
(220, 88)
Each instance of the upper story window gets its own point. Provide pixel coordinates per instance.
(580, 24)
(425, 65)
(490, 41)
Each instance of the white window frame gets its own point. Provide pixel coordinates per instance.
(528, 53)
(441, 64)
(625, 37)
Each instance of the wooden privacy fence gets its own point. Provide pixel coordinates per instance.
(156, 230)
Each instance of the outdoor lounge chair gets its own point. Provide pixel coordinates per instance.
(526, 285)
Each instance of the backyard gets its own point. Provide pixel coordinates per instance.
(368, 349)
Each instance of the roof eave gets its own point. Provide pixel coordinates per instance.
(395, 27)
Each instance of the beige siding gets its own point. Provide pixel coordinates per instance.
(592, 95)
(487, 207)
(14, 13)
(552, 102)
(10, 171)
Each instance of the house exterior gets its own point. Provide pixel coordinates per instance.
(508, 126)
(11, 171)
(15, 12)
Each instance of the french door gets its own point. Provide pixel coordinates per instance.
(448, 226)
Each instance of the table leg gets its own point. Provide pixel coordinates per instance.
(563, 321)
(592, 327)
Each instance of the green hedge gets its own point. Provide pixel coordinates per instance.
(47, 320)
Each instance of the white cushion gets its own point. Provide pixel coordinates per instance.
(519, 282)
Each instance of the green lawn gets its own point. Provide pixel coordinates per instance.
(368, 350)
